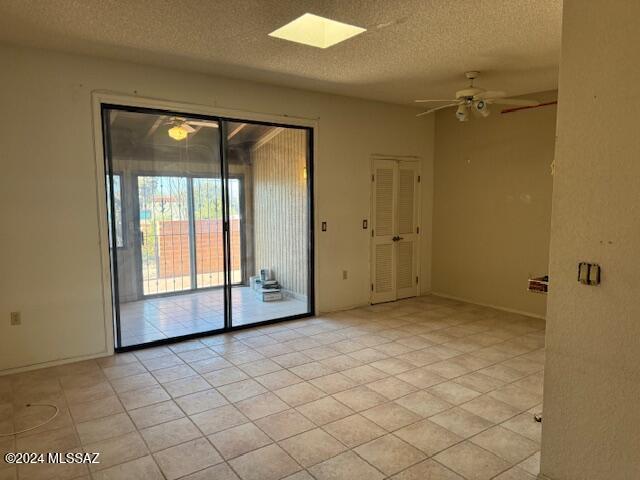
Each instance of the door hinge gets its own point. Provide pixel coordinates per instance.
(418, 178)
(372, 287)
(372, 232)
(416, 280)
(373, 178)
(417, 229)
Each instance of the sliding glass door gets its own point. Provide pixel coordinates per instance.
(209, 221)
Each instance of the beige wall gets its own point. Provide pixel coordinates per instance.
(280, 209)
(50, 255)
(591, 426)
(492, 205)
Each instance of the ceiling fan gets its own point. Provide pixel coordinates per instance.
(477, 100)
(180, 128)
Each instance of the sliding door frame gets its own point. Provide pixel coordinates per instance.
(104, 170)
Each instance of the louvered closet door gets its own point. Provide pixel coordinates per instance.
(395, 230)
(383, 229)
(407, 245)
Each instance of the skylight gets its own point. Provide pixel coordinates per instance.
(320, 32)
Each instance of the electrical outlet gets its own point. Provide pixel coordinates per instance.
(344, 275)
(16, 319)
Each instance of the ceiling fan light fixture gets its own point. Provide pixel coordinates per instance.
(178, 132)
(482, 108)
(462, 113)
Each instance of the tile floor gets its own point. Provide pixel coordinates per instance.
(182, 314)
(425, 388)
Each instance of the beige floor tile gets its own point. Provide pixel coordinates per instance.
(301, 475)
(166, 375)
(333, 383)
(389, 454)
(289, 360)
(9, 473)
(364, 374)
(354, 430)
(525, 425)
(221, 471)
(514, 474)
(217, 419)
(236, 441)
(134, 382)
(479, 382)
(341, 362)
(125, 370)
(447, 369)
(391, 416)
(45, 471)
(201, 401)
(321, 353)
(187, 458)
(225, 376)
(517, 397)
(196, 355)
(235, 392)
(428, 437)
(420, 358)
(490, 409)
(461, 422)
(391, 387)
(185, 386)
(58, 440)
(284, 424)
(312, 447)
(472, 462)
(421, 378)
(155, 414)
(324, 410)
(279, 379)
(260, 367)
(345, 466)
(162, 362)
(423, 403)
(88, 394)
(105, 427)
(83, 412)
(311, 370)
(114, 451)
(531, 465)
(210, 365)
(427, 470)
(168, 434)
(506, 444)
(502, 373)
(360, 398)
(299, 393)
(141, 398)
(267, 463)
(368, 355)
(141, 468)
(261, 405)
(393, 366)
(453, 393)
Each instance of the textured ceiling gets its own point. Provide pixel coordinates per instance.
(412, 49)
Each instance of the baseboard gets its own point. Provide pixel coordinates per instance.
(497, 307)
(52, 363)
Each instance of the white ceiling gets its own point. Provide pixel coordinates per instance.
(412, 49)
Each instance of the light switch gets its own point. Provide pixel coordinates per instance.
(589, 273)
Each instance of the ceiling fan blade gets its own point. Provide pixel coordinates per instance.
(438, 100)
(437, 108)
(203, 123)
(489, 94)
(515, 101)
(188, 127)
